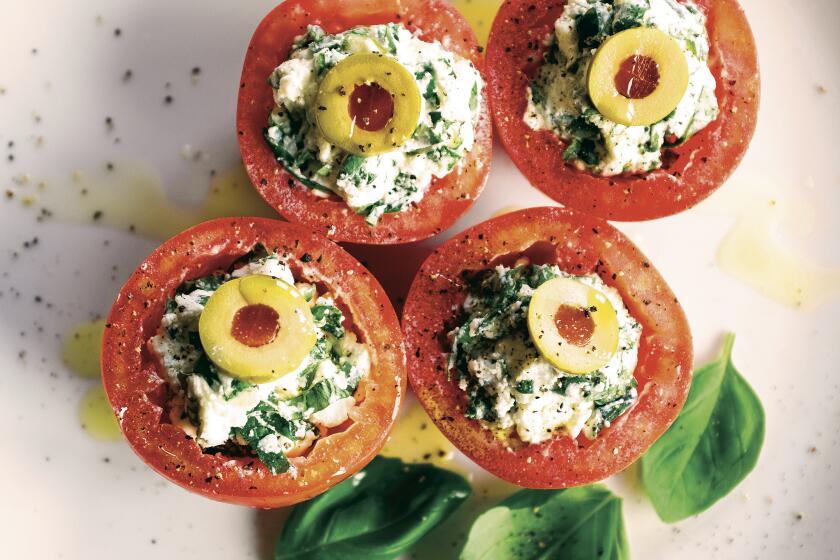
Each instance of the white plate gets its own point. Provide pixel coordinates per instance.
(68, 495)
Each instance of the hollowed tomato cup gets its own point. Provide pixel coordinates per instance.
(139, 392)
(579, 245)
(690, 172)
(447, 198)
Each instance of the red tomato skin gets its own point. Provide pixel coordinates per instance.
(690, 173)
(578, 244)
(138, 392)
(447, 198)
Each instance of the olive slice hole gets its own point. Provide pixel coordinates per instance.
(371, 107)
(574, 324)
(255, 325)
(637, 77)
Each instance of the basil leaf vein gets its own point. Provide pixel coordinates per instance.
(711, 447)
(575, 524)
(379, 513)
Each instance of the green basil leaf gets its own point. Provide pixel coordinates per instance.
(712, 446)
(318, 396)
(379, 513)
(352, 164)
(591, 29)
(329, 318)
(526, 386)
(264, 420)
(628, 16)
(574, 524)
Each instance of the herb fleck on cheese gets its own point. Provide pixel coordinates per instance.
(558, 99)
(451, 89)
(269, 420)
(510, 387)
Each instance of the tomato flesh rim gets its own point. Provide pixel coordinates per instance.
(691, 172)
(580, 244)
(138, 393)
(447, 198)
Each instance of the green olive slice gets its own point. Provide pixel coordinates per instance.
(573, 325)
(638, 76)
(257, 328)
(346, 85)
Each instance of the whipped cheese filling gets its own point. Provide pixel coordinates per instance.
(271, 419)
(451, 90)
(510, 387)
(558, 99)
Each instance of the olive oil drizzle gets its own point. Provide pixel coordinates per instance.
(131, 197)
(480, 14)
(80, 352)
(756, 252)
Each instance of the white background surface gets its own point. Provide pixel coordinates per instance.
(61, 499)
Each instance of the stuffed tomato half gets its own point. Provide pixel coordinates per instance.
(365, 120)
(546, 347)
(625, 109)
(253, 362)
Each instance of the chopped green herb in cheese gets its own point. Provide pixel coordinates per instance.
(558, 99)
(372, 186)
(269, 419)
(510, 386)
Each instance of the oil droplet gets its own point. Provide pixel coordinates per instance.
(81, 348)
(131, 197)
(754, 252)
(480, 14)
(416, 439)
(97, 417)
